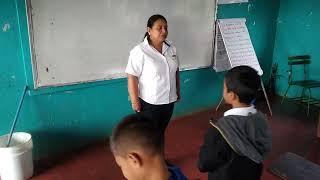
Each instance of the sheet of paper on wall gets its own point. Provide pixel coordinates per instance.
(221, 62)
(233, 46)
(231, 1)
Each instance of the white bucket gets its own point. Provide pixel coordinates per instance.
(16, 161)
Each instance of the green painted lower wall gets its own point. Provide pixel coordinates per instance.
(60, 121)
(64, 118)
(298, 28)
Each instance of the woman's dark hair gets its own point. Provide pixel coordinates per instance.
(152, 20)
(243, 81)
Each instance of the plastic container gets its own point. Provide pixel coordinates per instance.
(16, 161)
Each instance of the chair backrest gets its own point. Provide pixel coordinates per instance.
(301, 60)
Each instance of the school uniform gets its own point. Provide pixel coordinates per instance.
(235, 145)
(156, 73)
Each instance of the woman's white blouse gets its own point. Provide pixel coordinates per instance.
(156, 72)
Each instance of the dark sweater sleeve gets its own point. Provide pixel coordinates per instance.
(214, 152)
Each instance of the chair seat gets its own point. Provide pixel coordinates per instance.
(306, 84)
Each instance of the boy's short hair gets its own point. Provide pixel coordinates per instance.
(243, 81)
(135, 132)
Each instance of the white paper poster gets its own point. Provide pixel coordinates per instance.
(234, 46)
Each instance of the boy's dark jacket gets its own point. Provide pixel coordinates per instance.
(234, 147)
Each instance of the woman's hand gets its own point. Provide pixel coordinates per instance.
(179, 97)
(134, 92)
(178, 85)
(136, 106)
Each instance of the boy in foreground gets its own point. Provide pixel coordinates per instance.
(137, 148)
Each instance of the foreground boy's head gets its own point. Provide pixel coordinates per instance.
(136, 146)
(241, 85)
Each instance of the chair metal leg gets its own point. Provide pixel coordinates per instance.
(302, 93)
(309, 98)
(266, 97)
(285, 94)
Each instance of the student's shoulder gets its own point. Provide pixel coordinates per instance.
(176, 173)
(214, 122)
(261, 115)
(214, 129)
(261, 120)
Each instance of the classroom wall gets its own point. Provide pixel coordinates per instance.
(64, 118)
(261, 18)
(12, 72)
(298, 28)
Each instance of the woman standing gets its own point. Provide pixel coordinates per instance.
(153, 74)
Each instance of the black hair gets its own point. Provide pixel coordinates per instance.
(243, 81)
(135, 132)
(152, 20)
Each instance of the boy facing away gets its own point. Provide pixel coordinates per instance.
(137, 148)
(236, 144)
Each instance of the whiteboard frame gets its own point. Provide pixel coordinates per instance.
(231, 1)
(31, 43)
(35, 75)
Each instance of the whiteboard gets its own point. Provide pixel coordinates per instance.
(234, 46)
(76, 41)
(231, 1)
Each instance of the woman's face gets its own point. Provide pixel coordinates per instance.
(159, 31)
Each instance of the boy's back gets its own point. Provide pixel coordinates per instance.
(234, 147)
(236, 144)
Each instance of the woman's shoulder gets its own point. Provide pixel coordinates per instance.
(137, 49)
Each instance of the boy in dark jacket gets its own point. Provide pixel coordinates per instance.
(236, 144)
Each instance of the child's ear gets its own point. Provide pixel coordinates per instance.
(134, 159)
(231, 96)
(235, 97)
